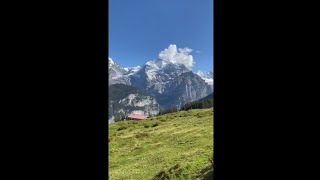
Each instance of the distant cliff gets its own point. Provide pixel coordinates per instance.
(124, 100)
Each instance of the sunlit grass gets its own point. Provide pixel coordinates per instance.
(182, 141)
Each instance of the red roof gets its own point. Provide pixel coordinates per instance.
(137, 116)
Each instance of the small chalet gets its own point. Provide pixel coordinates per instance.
(137, 116)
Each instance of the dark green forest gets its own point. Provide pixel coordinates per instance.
(206, 102)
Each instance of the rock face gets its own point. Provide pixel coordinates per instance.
(124, 100)
(186, 88)
(154, 76)
(171, 84)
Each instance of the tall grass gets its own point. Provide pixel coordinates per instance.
(176, 146)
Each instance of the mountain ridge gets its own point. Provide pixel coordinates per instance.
(172, 84)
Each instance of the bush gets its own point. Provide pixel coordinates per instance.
(146, 126)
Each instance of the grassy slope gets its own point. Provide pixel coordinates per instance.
(139, 151)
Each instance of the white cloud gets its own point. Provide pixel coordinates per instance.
(178, 56)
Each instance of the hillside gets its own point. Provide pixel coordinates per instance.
(206, 102)
(127, 99)
(177, 145)
(209, 97)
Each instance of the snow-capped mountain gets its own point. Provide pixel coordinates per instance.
(170, 83)
(155, 74)
(185, 88)
(117, 74)
(131, 70)
(207, 76)
(115, 70)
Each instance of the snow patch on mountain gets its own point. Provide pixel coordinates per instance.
(111, 62)
(207, 76)
(131, 70)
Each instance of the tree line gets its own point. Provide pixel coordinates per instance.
(200, 104)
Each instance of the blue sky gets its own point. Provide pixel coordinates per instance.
(140, 29)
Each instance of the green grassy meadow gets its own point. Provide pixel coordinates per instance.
(171, 146)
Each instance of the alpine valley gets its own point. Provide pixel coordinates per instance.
(155, 85)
